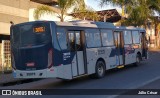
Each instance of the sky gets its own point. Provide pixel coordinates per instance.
(95, 4)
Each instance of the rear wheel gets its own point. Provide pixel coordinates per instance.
(100, 69)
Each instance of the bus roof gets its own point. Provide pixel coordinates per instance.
(85, 23)
(93, 24)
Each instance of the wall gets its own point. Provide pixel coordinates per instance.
(16, 11)
(51, 17)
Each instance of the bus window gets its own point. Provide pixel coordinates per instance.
(71, 40)
(107, 37)
(74, 41)
(93, 38)
(15, 37)
(78, 41)
(136, 37)
(127, 37)
(61, 36)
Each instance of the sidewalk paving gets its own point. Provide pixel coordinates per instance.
(154, 49)
(6, 78)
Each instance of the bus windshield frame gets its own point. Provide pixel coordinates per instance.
(31, 34)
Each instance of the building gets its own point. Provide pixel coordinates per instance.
(111, 15)
(16, 11)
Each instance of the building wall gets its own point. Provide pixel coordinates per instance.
(12, 10)
(50, 17)
(16, 11)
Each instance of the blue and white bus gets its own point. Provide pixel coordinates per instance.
(67, 50)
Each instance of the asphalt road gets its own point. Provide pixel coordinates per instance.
(130, 77)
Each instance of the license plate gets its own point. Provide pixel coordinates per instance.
(31, 74)
(30, 64)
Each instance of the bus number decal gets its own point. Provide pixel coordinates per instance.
(101, 52)
(39, 29)
(66, 55)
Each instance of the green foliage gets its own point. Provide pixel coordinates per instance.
(138, 11)
(41, 10)
(64, 5)
(142, 12)
(85, 12)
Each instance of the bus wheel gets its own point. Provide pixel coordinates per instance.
(138, 60)
(100, 69)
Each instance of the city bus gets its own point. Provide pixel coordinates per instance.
(67, 50)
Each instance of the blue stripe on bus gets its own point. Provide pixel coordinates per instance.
(127, 50)
(60, 57)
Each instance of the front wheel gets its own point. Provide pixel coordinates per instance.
(100, 69)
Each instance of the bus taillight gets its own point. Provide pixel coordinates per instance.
(50, 62)
(13, 62)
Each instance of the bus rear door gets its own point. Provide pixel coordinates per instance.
(77, 47)
(120, 57)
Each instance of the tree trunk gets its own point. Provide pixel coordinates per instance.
(156, 33)
(62, 16)
(123, 10)
(62, 20)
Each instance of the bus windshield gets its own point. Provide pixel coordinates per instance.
(31, 34)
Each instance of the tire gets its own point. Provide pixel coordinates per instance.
(138, 60)
(100, 69)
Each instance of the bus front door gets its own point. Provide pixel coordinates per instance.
(120, 59)
(76, 44)
(144, 45)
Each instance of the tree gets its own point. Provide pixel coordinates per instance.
(138, 11)
(142, 12)
(63, 5)
(121, 3)
(84, 12)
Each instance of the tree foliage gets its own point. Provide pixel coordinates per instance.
(139, 11)
(64, 5)
(84, 12)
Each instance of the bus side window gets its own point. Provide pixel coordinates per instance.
(74, 41)
(136, 37)
(93, 38)
(61, 36)
(71, 40)
(127, 37)
(107, 37)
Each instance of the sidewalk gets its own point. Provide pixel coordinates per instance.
(6, 78)
(154, 49)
